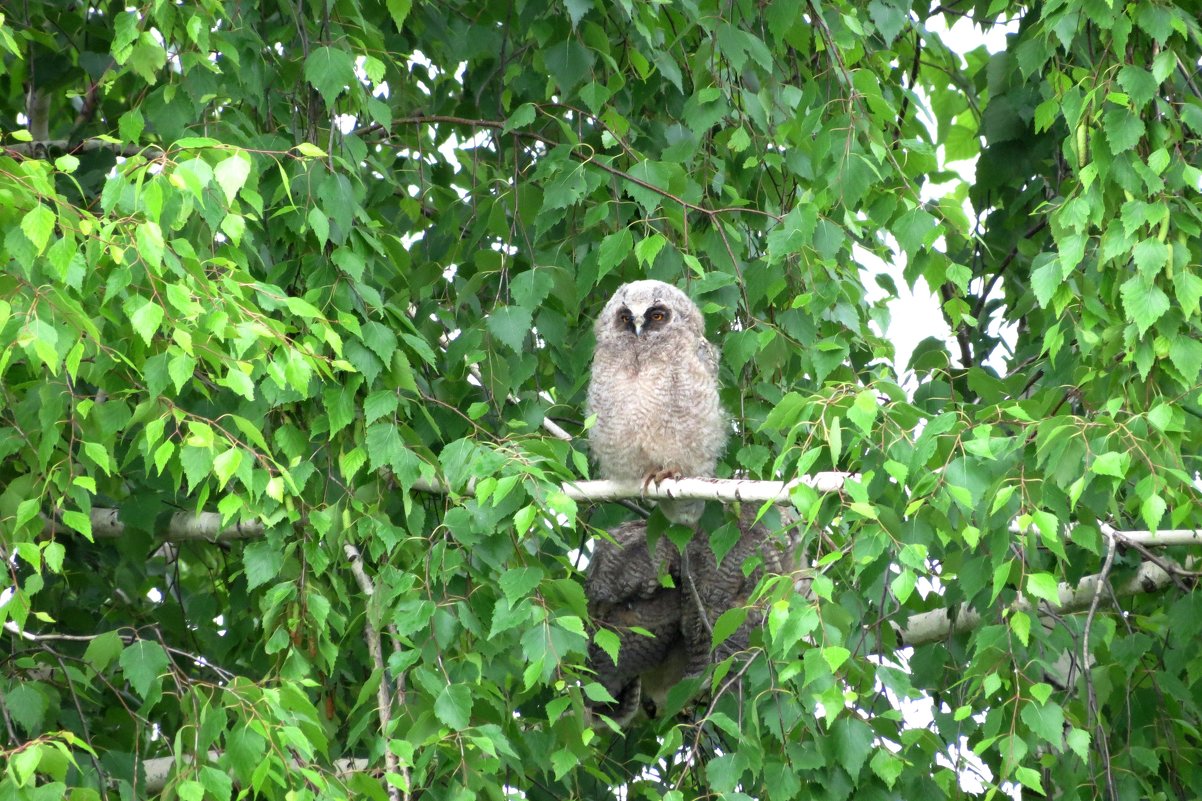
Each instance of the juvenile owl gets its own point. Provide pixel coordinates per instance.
(654, 389)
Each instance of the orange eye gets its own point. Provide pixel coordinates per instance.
(657, 316)
(624, 316)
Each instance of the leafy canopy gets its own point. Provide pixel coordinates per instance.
(287, 263)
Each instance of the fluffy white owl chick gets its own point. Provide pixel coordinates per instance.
(654, 389)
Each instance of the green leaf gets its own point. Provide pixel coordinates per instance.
(577, 9)
(510, 325)
(835, 656)
(912, 230)
(38, 225)
(1186, 354)
(1150, 257)
(1152, 511)
(1046, 278)
(1043, 586)
(518, 582)
(1138, 83)
(1029, 778)
(648, 248)
(723, 772)
(79, 522)
(785, 414)
(385, 449)
(565, 188)
(146, 317)
(262, 563)
(454, 706)
(330, 70)
(1078, 741)
(27, 703)
(145, 663)
(889, 20)
(1143, 301)
(1187, 288)
(614, 248)
(226, 464)
(1111, 463)
(26, 760)
(727, 624)
(531, 287)
(1020, 624)
(399, 10)
(231, 174)
(567, 63)
(1123, 129)
(853, 743)
(863, 410)
(103, 649)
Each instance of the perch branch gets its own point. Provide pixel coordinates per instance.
(728, 490)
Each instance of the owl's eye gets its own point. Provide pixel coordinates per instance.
(657, 315)
(624, 317)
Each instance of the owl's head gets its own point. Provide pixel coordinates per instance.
(646, 310)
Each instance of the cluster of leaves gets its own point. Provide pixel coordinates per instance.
(289, 264)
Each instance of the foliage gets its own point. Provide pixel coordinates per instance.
(282, 261)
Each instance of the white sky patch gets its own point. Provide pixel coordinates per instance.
(915, 313)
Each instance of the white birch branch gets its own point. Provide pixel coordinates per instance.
(727, 490)
(158, 770)
(939, 623)
(383, 699)
(181, 526)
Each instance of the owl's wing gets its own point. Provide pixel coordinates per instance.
(623, 570)
(707, 354)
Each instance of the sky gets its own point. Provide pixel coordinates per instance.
(915, 312)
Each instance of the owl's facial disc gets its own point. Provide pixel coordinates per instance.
(656, 317)
(640, 319)
(626, 321)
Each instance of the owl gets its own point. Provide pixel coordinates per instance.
(654, 390)
(626, 593)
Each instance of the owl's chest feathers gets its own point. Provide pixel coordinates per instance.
(654, 411)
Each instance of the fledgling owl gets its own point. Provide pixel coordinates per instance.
(654, 389)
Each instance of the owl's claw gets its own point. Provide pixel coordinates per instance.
(658, 476)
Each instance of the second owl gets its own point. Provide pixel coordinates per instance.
(654, 390)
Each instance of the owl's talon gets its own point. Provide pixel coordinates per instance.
(657, 477)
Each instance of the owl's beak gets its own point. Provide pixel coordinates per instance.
(637, 326)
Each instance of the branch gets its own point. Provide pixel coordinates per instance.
(207, 526)
(39, 148)
(158, 770)
(939, 623)
(180, 526)
(372, 635)
(582, 157)
(727, 490)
